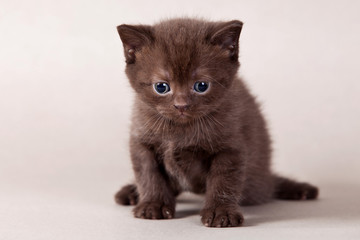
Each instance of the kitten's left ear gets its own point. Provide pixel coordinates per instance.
(227, 36)
(134, 37)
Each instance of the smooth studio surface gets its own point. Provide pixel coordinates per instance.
(65, 108)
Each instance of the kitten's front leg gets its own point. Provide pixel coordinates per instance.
(156, 198)
(223, 191)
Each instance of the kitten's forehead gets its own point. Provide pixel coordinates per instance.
(180, 42)
(180, 31)
(162, 74)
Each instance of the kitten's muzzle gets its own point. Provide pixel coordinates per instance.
(182, 108)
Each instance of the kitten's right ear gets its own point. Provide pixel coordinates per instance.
(227, 35)
(134, 37)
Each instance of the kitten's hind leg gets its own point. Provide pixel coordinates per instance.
(288, 189)
(127, 195)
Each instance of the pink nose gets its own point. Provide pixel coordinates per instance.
(181, 108)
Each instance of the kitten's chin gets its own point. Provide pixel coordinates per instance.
(182, 119)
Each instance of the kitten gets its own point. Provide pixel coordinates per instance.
(195, 126)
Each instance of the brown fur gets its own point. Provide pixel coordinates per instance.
(217, 144)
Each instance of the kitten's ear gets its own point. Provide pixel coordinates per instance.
(227, 35)
(134, 37)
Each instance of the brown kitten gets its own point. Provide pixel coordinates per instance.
(195, 126)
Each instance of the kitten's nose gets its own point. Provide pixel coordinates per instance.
(181, 107)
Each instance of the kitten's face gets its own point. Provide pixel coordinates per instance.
(182, 68)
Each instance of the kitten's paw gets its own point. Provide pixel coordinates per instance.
(298, 191)
(221, 217)
(128, 195)
(154, 210)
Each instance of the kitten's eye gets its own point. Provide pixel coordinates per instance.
(161, 87)
(201, 87)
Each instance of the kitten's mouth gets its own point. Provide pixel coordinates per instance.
(183, 117)
(180, 117)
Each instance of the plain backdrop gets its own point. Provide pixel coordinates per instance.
(65, 107)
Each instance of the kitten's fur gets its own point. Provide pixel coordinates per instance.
(216, 144)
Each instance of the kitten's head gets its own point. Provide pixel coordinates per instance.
(182, 68)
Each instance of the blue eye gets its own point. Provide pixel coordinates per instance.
(201, 87)
(161, 87)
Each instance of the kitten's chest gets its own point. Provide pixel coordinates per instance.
(209, 133)
(189, 137)
(185, 151)
(188, 166)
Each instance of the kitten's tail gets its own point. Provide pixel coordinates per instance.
(292, 190)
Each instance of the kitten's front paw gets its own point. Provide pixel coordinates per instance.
(221, 217)
(127, 195)
(154, 210)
